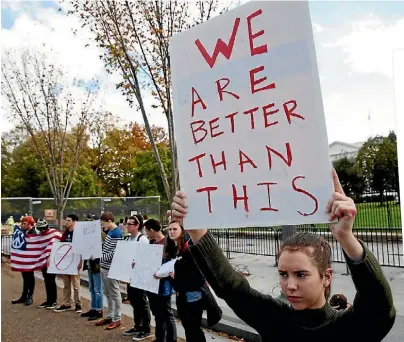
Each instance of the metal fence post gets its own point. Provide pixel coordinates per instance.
(31, 209)
(228, 244)
(286, 232)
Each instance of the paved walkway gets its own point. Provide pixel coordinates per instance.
(21, 323)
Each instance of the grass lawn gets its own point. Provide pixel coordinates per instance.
(372, 215)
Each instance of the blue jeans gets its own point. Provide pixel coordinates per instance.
(95, 287)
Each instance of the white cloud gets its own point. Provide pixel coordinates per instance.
(317, 28)
(36, 26)
(370, 44)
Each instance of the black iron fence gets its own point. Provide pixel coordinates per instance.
(385, 244)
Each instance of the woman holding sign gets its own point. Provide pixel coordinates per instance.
(192, 294)
(305, 273)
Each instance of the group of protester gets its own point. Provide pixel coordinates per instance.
(304, 267)
(192, 294)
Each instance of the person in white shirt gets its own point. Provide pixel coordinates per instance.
(137, 297)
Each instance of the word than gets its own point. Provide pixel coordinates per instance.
(243, 159)
(266, 187)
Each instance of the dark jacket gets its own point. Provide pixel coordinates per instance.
(187, 278)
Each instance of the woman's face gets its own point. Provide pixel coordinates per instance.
(174, 231)
(300, 280)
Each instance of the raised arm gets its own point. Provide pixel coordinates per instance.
(372, 314)
(254, 308)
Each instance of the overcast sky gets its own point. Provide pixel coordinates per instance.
(354, 42)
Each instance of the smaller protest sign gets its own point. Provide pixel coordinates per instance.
(62, 259)
(87, 239)
(121, 266)
(147, 262)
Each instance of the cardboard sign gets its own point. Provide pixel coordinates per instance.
(62, 259)
(249, 120)
(121, 265)
(87, 239)
(51, 214)
(148, 260)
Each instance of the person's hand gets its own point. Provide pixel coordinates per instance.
(133, 264)
(179, 206)
(179, 211)
(156, 277)
(79, 266)
(171, 274)
(342, 207)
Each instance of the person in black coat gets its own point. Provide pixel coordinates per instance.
(188, 283)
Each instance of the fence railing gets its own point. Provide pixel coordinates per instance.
(385, 244)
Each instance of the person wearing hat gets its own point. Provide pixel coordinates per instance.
(27, 227)
(49, 279)
(339, 302)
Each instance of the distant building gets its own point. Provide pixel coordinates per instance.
(339, 150)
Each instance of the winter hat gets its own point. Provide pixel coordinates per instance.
(338, 301)
(42, 223)
(29, 219)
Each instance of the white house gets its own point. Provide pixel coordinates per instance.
(339, 149)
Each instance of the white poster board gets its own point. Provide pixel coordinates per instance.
(62, 259)
(87, 239)
(148, 260)
(121, 265)
(249, 119)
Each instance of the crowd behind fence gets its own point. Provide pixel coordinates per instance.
(378, 224)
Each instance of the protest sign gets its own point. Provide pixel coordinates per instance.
(121, 265)
(87, 239)
(62, 260)
(249, 119)
(148, 260)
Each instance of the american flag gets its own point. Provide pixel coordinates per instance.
(30, 252)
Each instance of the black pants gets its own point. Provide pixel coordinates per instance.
(191, 317)
(165, 331)
(141, 310)
(28, 284)
(50, 286)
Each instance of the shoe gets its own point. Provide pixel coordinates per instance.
(103, 321)
(131, 332)
(88, 313)
(63, 308)
(78, 308)
(96, 315)
(142, 336)
(20, 300)
(44, 305)
(51, 306)
(29, 301)
(113, 325)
